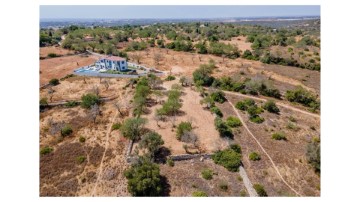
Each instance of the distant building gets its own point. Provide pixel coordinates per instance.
(89, 38)
(112, 63)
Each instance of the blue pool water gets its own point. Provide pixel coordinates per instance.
(84, 70)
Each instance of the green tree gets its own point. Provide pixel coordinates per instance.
(228, 158)
(151, 141)
(132, 128)
(54, 82)
(182, 128)
(270, 106)
(89, 100)
(144, 179)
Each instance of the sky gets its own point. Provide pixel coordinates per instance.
(136, 12)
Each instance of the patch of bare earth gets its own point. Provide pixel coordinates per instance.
(185, 178)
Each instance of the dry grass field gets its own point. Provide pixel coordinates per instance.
(44, 51)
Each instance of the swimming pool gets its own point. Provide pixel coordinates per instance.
(85, 70)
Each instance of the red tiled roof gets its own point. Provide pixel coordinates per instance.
(114, 58)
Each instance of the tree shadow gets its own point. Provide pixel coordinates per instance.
(166, 186)
(161, 155)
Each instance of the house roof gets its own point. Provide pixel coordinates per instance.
(113, 58)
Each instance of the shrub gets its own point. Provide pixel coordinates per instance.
(223, 128)
(151, 141)
(170, 162)
(54, 82)
(116, 126)
(71, 104)
(257, 119)
(218, 96)
(223, 186)
(260, 190)
(242, 193)
(82, 139)
(239, 178)
(170, 78)
(216, 111)
(245, 104)
(233, 122)
(207, 174)
(43, 101)
(89, 100)
(80, 159)
(292, 126)
(302, 96)
(202, 76)
(66, 130)
(278, 136)
(313, 154)
(228, 158)
(236, 148)
(254, 156)
(144, 179)
(46, 150)
(199, 194)
(52, 55)
(271, 107)
(182, 128)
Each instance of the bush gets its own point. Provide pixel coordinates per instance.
(236, 148)
(54, 82)
(182, 128)
(223, 186)
(207, 174)
(218, 96)
(152, 142)
(260, 190)
(170, 78)
(242, 193)
(278, 136)
(233, 122)
(43, 101)
(313, 154)
(70, 104)
(228, 158)
(170, 162)
(82, 139)
(46, 150)
(52, 55)
(245, 104)
(199, 194)
(66, 131)
(144, 179)
(80, 159)
(202, 76)
(254, 156)
(257, 119)
(302, 96)
(271, 107)
(89, 100)
(216, 111)
(116, 126)
(223, 128)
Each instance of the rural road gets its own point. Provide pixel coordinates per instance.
(277, 102)
(272, 162)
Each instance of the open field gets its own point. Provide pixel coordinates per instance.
(44, 51)
(62, 66)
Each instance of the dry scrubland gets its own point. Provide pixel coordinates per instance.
(101, 172)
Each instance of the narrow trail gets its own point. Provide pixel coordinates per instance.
(102, 159)
(272, 162)
(277, 102)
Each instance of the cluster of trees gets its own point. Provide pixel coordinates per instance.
(202, 75)
(304, 97)
(180, 45)
(142, 92)
(172, 105)
(223, 128)
(252, 109)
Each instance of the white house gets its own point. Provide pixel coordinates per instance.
(111, 63)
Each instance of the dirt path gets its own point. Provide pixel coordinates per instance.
(252, 135)
(102, 159)
(277, 102)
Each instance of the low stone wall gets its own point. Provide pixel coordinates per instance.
(182, 157)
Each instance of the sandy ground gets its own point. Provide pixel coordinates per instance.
(201, 119)
(44, 51)
(239, 42)
(62, 66)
